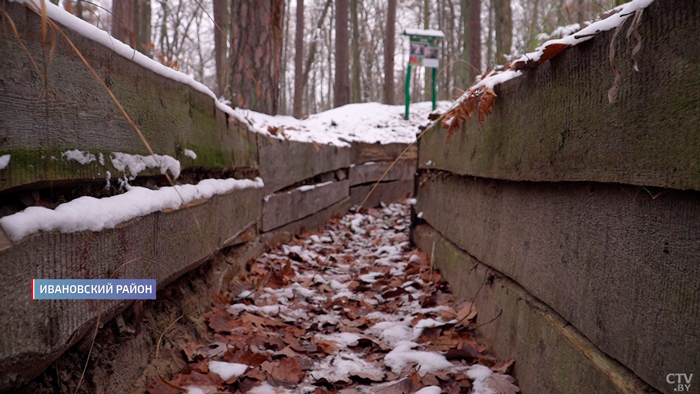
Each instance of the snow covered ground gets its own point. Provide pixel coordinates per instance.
(365, 122)
(353, 309)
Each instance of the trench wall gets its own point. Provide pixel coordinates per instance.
(305, 185)
(574, 223)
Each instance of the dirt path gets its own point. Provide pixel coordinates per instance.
(354, 309)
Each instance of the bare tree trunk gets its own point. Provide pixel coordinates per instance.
(356, 65)
(504, 30)
(389, 51)
(256, 53)
(331, 70)
(122, 30)
(299, 61)
(285, 63)
(454, 68)
(79, 9)
(475, 38)
(313, 47)
(220, 18)
(428, 92)
(341, 86)
(466, 67)
(135, 30)
(142, 28)
(489, 38)
(532, 35)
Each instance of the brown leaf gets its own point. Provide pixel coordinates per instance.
(486, 103)
(373, 376)
(524, 65)
(430, 380)
(287, 352)
(273, 130)
(551, 51)
(503, 384)
(403, 386)
(190, 350)
(467, 352)
(328, 347)
(255, 373)
(288, 371)
(259, 322)
(269, 366)
(252, 359)
(290, 340)
(394, 293)
(502, 366)
(218, 320)
(194, 378)
(465, 311)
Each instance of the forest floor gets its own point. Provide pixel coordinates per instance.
(352, 309)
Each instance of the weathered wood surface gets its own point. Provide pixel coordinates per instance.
(618, 263)
(133, 358)
(555, 122)
(373, 171)
(362, 152)
(159, 246)
(310, 223)
(386, 192)
(284, 163)
(77, 113)
(551, 356)
(286, 207)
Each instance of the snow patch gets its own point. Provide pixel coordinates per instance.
(266, 388)
(132, 165)
(363, 122)
(429, 390)
(4, 161)
(311, 187)
(190, 153)
(97, 214)
(79, 156)
(342, 366)
(427, 362)
(481, 376)
(341, 338)
(227, 370)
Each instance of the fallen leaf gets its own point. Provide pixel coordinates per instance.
(466, 311)
(288, 371)
(467, 352)
(503, 384)
(403, 386)
(502, 366)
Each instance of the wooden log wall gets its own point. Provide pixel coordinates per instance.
(574, 223)
(305, 185)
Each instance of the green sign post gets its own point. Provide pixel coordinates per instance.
(424, 51)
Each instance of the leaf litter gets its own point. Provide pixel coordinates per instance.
(353, 309)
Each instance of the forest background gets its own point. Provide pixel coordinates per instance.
(299, 57)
